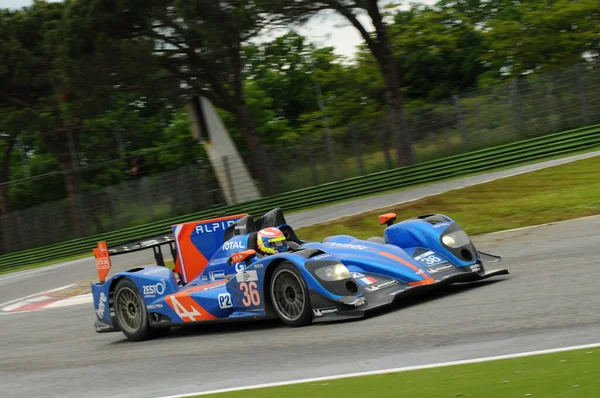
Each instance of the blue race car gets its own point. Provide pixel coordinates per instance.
(219, 274)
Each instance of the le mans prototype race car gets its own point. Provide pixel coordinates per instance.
(220, 275)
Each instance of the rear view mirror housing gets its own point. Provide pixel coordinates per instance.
(242, 256)
(387, 219)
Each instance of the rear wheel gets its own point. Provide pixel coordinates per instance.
(131, 313)
(290, 296)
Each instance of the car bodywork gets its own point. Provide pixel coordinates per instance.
(220, 275)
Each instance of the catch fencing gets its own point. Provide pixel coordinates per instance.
(442, 134)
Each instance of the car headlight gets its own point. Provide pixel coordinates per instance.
(335, 272)
(456, 239)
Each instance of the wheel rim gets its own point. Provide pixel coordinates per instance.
(288, 296)
(129, 310)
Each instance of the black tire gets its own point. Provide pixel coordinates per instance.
(290, 297)
(130, 312)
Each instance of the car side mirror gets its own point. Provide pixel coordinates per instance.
(241, 256)
(387, 219)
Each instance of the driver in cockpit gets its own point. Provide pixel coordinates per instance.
(271, 241)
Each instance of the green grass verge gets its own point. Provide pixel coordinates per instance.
(567, 374)
(493, 170)
(554, 194)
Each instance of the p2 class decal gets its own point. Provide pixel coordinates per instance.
(224, 300)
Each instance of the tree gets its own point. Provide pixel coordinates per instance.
(544, 36)
(438, 52)
(378, 43)
(197, 45)
(28, 100)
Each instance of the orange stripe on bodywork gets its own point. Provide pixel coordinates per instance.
(428, 279)
(187, 308)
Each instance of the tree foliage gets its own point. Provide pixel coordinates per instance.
(85, 85)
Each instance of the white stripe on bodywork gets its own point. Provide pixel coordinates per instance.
(177, 232)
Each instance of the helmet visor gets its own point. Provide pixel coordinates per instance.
(278, 242)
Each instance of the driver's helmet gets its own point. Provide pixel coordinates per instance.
(271, 240)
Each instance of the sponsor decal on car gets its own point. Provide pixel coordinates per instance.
(430, 259)
(442, 224)
(325, 311)
(224, 300)
(476, 268)
(101, 305)
(356, 275)
(440, 268)
(154, 306)
(239, 267)
(214, 275)
(381, 285)
(236, 244)
(246, 276)
(212, 227)
(321, 256)
(358, 302)
(420, 256)
(154, 290)
(346, 245)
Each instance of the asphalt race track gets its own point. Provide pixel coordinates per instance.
(549, 300)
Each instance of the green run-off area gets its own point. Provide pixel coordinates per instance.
(567, 374)
(553, 194)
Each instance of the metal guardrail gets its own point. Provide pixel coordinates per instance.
(455, 166)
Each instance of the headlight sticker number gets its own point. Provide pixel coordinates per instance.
(430, 259)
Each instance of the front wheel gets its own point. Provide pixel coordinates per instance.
(290, 296)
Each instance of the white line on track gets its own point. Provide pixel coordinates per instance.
(543, 225)
(35, 294)
(385, 371)
(41, 269)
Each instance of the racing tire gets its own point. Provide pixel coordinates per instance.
(290, 297)
(130, 312)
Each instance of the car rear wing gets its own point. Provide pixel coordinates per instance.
(103, 253)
